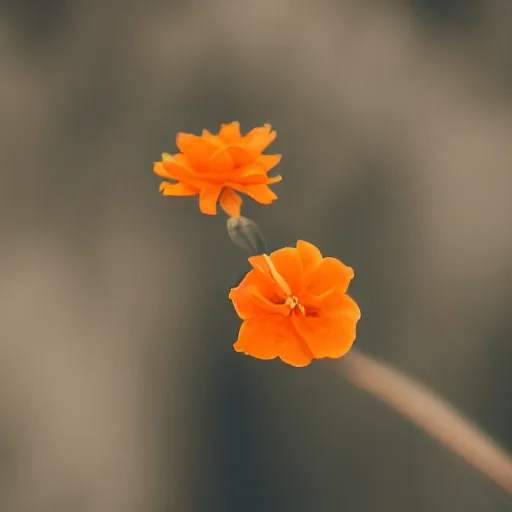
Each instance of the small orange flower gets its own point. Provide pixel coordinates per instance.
(216, 167)
(294, 306)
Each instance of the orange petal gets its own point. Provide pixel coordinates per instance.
(221, 161)
(261, 337)
(230, 202)
(177, 189)
(258, 139)
(350, 309)
(275, 179)
(240, 155)
(208, 198)
(261, 279)
(181, 160)
(309, 254)
(172, 169)
(329, 274)
(294, 351)
(268, 161)
(251, 174)
(212, 139)
(289, 265)
(196, 149)
(327, 337)
(158, 168)
(249, 302)
(268, 337)
(196, 172)
(264, 265)
(327, 305)
(260, 193)
(230, 132)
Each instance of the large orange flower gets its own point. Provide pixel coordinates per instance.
(294, 306)
(216, 167)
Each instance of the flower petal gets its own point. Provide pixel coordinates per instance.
(260, 193)
(196, 149)
(329, 304)
(172, 169)
(258, 139)
(251, 174)
(289, 265)
(350, 309)
(269, 337)
(329, 274)
(221, 161)
(261, 337)
(181, 160)
(266, 266)
(268, 161)
(208, 198)
(241, 156)
(295, 351)
(249, 302)
(212, 139)
(230, 202)
(177, 189)
(329, 336)
(158, 168)
(275, 179)
(230, 132)
(310, 255)
(261, 279)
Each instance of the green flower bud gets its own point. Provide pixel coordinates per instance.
(245, 233)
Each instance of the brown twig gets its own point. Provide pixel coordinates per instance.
(429, 412)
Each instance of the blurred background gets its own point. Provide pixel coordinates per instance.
(119, 387)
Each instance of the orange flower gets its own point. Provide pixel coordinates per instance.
(294, 306)
(216, 167)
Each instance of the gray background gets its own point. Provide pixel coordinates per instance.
(119, 388)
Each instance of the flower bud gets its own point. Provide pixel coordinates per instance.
(245, 233)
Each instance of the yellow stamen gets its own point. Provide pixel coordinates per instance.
(293, 302)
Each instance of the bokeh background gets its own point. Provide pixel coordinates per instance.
(119, 388)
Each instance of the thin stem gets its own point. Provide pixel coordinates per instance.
(429, 412)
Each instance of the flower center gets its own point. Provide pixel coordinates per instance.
(293, 302)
